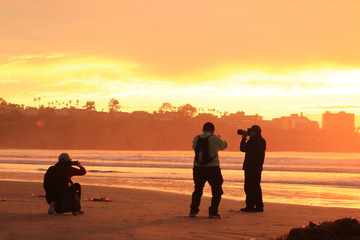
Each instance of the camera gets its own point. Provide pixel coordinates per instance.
(74, 162)
(241, 131)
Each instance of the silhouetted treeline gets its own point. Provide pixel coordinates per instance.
(168, 128)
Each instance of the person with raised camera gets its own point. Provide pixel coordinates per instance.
(207, 169)
(61, 194)
(254, 146)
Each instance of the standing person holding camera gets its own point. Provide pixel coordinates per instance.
(254, 148)
(61, 194)
(207, 169)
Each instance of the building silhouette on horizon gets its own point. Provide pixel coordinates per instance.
(340, 123)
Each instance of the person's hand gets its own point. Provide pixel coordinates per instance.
(244, 135)
(78, 164)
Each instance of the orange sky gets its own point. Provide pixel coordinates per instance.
(269, 57)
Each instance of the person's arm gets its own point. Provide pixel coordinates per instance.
(243, 144)
(194, 142)
(77, 171)
(222, 143)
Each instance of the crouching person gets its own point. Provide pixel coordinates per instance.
(61, 193)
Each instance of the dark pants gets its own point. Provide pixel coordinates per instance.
(213, 176)
(253, 189)
(70, 201)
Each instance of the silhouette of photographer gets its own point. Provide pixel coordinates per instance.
(62, 194)
(254, 146)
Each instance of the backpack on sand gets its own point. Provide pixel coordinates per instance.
(70, 201)
(202, 151)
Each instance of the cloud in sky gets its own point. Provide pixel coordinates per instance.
(67, 74)
(176, 36)
(283, 52)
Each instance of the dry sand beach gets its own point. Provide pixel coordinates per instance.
(140, 214)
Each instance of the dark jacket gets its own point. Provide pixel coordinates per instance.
(57, 178)
(254, 149)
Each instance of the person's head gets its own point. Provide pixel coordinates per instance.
(255, 130)
(208, 127)
(64, 157)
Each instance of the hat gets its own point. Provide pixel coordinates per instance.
(256, 129)
(64, 157)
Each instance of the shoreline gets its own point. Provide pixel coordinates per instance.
(148, 214)
(102, 182)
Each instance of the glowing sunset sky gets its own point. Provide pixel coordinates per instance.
(272, 57)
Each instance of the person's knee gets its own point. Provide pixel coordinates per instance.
(198, 190)
(217, 192)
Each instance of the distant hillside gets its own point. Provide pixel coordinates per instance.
(81, 129)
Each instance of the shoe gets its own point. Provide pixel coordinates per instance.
(51, 211)
(258, 209)
(192, 214)
(247, 209)
(78, 213)
(51, 208)
(214, 215)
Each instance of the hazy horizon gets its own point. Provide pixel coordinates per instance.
(58, 104)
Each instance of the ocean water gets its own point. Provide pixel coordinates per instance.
(316, 179)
